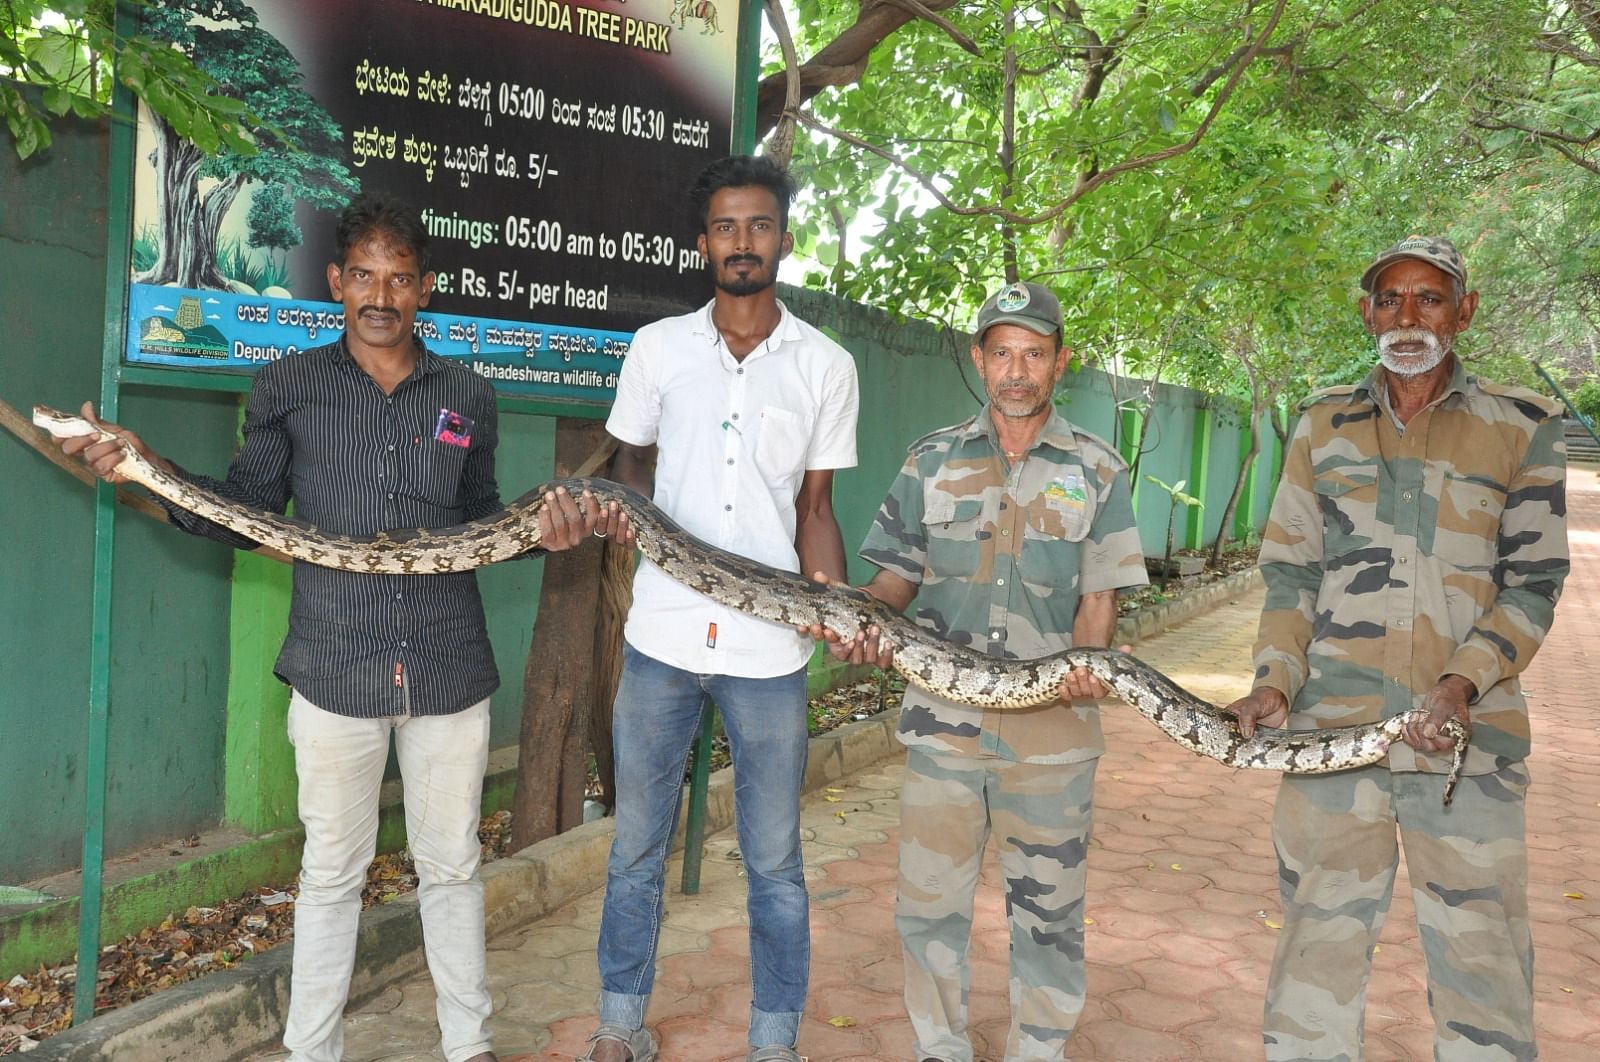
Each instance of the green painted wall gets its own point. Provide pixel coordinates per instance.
(164, 770)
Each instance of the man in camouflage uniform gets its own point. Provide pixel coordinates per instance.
(1414, 556)
(1012, 531)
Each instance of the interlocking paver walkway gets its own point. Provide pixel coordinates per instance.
(1182, 897)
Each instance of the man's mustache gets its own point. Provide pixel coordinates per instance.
(379, 311)
(1409, 335)
(735, 259)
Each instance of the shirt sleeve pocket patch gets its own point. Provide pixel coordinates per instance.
(1467, 534)
(955, 531)
(1348, 501)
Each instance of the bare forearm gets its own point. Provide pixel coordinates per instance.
(635, 467)
(893, 590)
(1096, 621)
(817, 539)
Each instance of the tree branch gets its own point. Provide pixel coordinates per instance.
(1573, 156)
(1084, 186)
(780, 146)
(1556, 43)
(1495, 124)
(842, 61)
(922, 11)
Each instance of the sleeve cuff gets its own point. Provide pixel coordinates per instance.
(1278, 675)
(1478, 664)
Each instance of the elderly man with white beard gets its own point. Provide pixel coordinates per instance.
(1415, 552)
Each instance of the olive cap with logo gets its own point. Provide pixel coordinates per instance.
(1435, 250)
(1031, 306)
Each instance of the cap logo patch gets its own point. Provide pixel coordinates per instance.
(1012, 299)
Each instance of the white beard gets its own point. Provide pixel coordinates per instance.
(1429, 357)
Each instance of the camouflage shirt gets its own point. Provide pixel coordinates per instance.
(1000, 557)
(1394, 558)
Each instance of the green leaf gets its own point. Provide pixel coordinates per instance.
(58, 56)
(28, 133)
(57, 101)
(203, 133)
(224, 105)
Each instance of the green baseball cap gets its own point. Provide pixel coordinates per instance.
(1435, 250)
(1031, 306)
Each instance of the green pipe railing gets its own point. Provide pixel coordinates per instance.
(119, 229)
(1579, 417)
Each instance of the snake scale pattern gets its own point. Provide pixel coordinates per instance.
(927, 661)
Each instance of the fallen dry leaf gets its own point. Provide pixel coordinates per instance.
(841, 1022)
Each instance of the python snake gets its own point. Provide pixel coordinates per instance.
(927, 661)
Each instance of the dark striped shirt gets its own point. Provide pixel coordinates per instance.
(320, 432)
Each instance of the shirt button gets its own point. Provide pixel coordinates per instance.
(1402, 559)
(999, 582)
(994, 635)
(391, 497)
(741, 370)
(391, 447)
(730, 460)
(1406, 496)
(403, 645)
(727, 508)
(397, 597)
(736, 416)
(1006, 531)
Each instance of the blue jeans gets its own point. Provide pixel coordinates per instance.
(654, 724)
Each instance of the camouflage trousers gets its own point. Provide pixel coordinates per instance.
(1468, 865)
(1041, 815)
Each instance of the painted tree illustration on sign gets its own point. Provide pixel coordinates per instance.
(271, 219)
(195, 190)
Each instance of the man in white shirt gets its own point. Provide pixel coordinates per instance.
(733, 418)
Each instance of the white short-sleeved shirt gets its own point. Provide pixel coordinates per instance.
(734, 440)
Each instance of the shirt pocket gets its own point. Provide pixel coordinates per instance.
(1348, 501)
(956, 532)
(781, 445)
(1052, 546)
(1467, 532)
(433, 473)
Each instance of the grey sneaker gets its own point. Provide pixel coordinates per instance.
(773, 1054)
(640, 1045)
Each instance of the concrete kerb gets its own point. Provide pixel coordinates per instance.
(234, 1013)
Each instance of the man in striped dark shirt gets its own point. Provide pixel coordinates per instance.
(368, 433)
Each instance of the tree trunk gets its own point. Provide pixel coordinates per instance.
(186, 241)
(558, 684)
(1144, 434)
(1238, 486)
